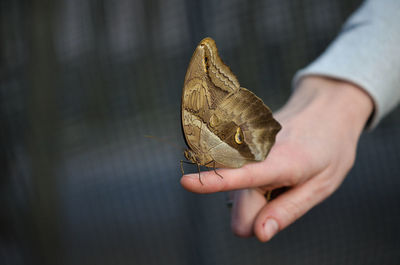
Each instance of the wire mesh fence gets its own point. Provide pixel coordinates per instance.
(82, 83)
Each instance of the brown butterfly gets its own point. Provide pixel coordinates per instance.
(225, 125)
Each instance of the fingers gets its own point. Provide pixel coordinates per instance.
(247, 204)
(280, 169)
(288, 207)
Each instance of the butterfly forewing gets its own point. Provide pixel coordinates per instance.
(223, 124)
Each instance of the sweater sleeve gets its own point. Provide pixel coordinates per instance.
(366, 53)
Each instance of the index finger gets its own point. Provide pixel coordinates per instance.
(277, 170)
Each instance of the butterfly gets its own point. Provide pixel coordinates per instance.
(224, 124)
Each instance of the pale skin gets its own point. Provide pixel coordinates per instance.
(321, 126)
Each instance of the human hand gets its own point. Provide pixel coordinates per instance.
(321, 125)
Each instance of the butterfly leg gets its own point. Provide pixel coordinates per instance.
(215, 170)
(198, 168)
(183, 172)
(268, 195)
(182, 161)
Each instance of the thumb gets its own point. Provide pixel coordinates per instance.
(291, 205)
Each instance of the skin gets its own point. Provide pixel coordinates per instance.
(321, 126)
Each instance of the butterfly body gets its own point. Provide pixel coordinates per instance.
(225, 125)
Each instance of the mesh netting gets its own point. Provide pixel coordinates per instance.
(82, 82)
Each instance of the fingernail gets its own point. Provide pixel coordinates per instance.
(270, 228)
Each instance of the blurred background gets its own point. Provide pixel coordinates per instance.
(82, 83)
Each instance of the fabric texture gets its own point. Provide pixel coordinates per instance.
(366, 53)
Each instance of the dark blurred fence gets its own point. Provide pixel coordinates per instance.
(82, 82)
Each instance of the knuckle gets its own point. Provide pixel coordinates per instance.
(251, 175)
(292, 180)
(328, 184)
(327, 187)
(291, 211)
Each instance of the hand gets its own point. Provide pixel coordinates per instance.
(321, 125)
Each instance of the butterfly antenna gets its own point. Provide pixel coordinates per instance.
(164, 140)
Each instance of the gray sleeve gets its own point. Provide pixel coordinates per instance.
(366, 53)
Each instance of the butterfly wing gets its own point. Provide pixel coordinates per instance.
(222, 122)
(207, 82)
(250, 120)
